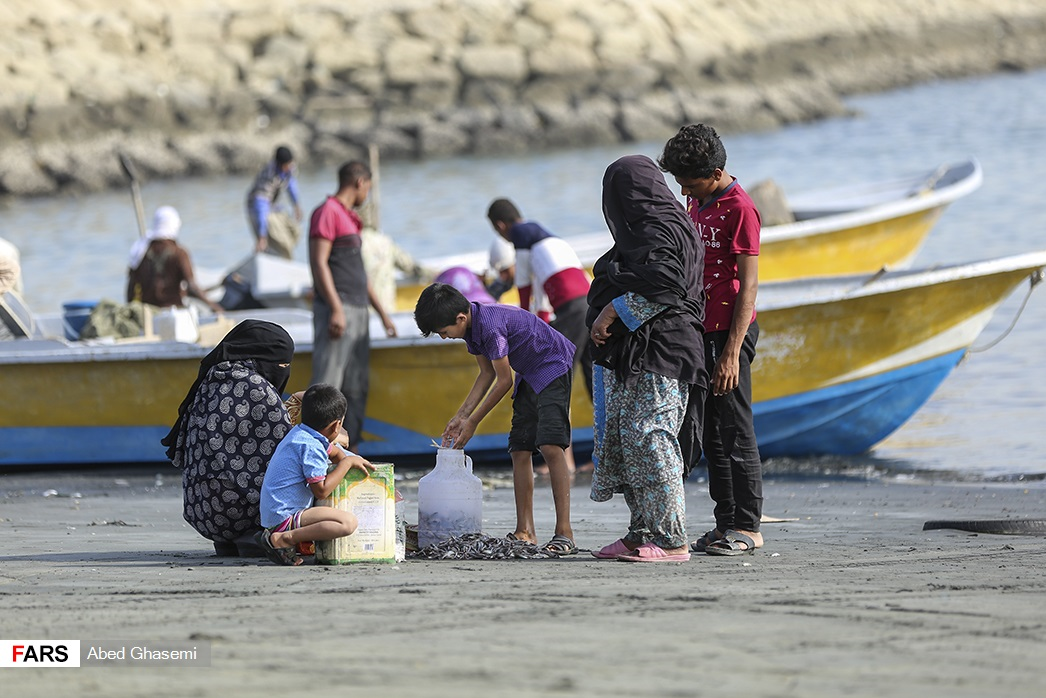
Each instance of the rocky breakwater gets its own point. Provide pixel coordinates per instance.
(211, 86)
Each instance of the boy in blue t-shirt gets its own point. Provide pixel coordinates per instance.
(297, 476)
(506, 338)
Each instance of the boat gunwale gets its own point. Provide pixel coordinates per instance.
(862, 285)
(859, 217)
(803, 292)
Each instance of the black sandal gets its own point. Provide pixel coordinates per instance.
(731, 544)
(281, 556)
(706, 539)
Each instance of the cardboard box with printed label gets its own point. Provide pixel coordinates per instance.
(373, 501)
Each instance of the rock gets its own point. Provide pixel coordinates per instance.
(154, 157)
(772, 203)
(330, 150)
(437, 24)
(216, 77)
(394, 142)
(593, 121)
(21, 175)
(256, 27)
(655, 116)
(200, 154)
(440, 139)
(507, 63)
(560, 58)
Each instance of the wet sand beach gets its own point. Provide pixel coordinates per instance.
(850, 598)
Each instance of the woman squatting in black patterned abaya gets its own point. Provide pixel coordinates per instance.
(228, 426)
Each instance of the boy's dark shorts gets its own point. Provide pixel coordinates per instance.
(540, 419)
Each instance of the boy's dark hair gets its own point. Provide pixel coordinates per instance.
(503, 211)
(321, 405)
(283, 155)
(351, 172)
(438, 306)
(694, 153)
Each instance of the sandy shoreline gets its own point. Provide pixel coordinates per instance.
(852, 598)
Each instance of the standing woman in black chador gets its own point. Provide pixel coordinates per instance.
(228, 426)
(646, 308)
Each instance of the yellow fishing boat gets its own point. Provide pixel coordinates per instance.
(837, 230)
(842, 363)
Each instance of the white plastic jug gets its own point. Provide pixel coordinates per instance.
(450, 499)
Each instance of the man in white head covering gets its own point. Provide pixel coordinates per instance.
(166, 224)
(10, 269)
(159, 269)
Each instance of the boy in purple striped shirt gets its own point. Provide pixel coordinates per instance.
(504, 339)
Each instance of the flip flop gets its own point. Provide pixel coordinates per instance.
(731, 544)
(648, 552)
(706, 539)
(281, 556)
(560, 545)
(610, 552)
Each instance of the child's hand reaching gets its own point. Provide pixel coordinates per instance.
(450, 432)
(343, 463)
(340, 457)
(360, 463)
(458, 432)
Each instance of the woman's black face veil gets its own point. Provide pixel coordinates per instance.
(265, 344)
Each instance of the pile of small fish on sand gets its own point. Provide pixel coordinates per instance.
(476, 546)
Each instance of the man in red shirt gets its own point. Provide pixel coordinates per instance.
(728, 224)
(340, 321)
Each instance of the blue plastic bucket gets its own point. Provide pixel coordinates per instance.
(74, 317)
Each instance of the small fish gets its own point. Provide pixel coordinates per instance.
(476, 546)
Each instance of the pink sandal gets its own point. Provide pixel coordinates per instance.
(612, 551)
(648, 552)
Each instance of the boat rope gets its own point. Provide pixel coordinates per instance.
(1034, 279)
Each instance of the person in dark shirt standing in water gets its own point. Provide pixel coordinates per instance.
(275, 178)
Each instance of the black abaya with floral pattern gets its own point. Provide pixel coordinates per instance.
(228, 427)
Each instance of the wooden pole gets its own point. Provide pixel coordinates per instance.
(136, 192)
(375, 189)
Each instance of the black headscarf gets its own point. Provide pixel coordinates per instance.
(265, 344)
(656, 249)
(656, 254)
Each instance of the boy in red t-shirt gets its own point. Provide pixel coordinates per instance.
(728, 223)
